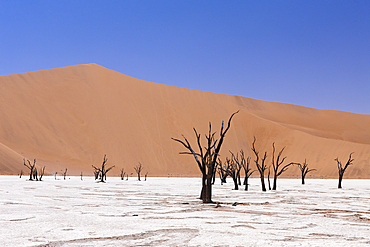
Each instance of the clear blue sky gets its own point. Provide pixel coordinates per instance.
(304, 52)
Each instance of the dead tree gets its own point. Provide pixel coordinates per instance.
(122, 174)
(260, 166)
(304, 170)
(342, 169)
(41, 173)
(277, 164)
(247, 171)
(102, 172)
(31, 167)
(81, 176)
(64, 174)
(20, 176)
(234, 169)
(222, 171)
(206, 159)
(138, 168)
(146, 174)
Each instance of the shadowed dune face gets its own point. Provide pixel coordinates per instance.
(70, 117)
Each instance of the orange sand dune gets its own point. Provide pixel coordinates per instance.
(70, 117)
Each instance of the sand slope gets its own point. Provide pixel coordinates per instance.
(70, 117)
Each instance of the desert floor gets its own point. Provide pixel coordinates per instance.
(166, 212)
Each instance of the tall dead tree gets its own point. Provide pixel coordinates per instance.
(261, 166)
(206, 159)
(247, 171)
(31, 167)
(278, 164)
(102, 172)
(138, 168)
(304, 170)
(342, 169)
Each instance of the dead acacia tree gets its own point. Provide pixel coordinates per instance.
(31, 167)
(123, 173)
(138, 168)
(20, 176)
(342, 169)
(247, 171)
(207, 156)
(102, 172)
(41, 173)
(261, 166)
(277, 164)
(146, 174)
(304, 170)
(234, 169)
(222, 171)
(64, 173)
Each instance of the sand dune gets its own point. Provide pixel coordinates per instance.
(70, 117)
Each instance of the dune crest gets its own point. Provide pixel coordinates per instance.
(72, 116)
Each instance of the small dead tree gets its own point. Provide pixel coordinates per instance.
(304, 170)
(234, 169)
(222, 171)
(41, 173)
(260, 166)
(342, 169)
(247, 171)
(138, 168)
(207, 156)
(81, 176)
(20, 176)
(146, 174)
(277, 164)
(31, 167)
(123, 173)
(64, 173)
(102, 172)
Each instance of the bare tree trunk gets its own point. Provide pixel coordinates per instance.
(236, 184)
(208, 198)
(263, 182)
(246, 183)
(340, 182)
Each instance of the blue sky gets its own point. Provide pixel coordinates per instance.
(309, 53)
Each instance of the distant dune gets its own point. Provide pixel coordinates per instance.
(70, 117)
